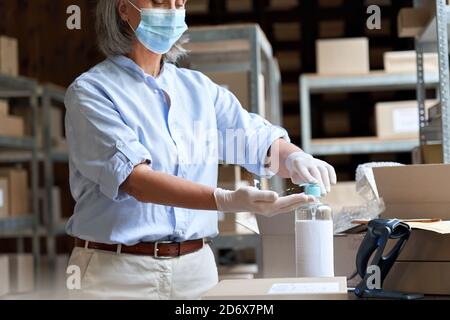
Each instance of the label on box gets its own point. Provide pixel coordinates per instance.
(405, 120)
(304, 288)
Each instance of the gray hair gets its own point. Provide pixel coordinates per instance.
(115, 37)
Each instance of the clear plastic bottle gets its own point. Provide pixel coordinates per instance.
(314, 237)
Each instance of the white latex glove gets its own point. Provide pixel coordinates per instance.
(304, 168)
(250, 199)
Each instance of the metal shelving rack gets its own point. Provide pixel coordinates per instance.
(27, 226)
(244, 48)
(248, 51)
(374, 81)
(435, 38)
(51, 93)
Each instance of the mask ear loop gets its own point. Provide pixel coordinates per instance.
(135, 6)
(128, 21)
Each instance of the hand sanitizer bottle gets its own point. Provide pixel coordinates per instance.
(314, 237)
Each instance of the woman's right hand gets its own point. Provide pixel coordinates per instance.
(266, 203)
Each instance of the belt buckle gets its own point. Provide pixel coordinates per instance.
(155, 254)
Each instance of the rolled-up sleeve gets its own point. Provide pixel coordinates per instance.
(101, 146)
(244, 138)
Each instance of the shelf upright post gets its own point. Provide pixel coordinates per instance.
(444, 83)
(421, 92)
(34, 181)
(305, 113)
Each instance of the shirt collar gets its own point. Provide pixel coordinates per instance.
(130, 65)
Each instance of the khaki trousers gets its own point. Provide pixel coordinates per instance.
(108, 275)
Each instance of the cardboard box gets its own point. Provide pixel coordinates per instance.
(239, 5)
(399, 119)
(283, 4)
(9, 56)
(406, 62)
(331, 28)
(432, 154)
(4, 108)
(197, 6)
(287, 31)
(4, 275)
(280, 289)
(237, 82)
(424, 264)
(423, 277)
(56, 123)
(411, 21)
(346, 56)
(12, 126)
(278, 256)
(21, 268)
(414, 192)
(241, 271)
(19, 204)
(278, 263)
(229, 176)
(4, 198)
(426, 246)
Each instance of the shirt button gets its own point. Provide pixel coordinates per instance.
(119, 145)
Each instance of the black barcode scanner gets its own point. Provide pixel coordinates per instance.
(378, 234)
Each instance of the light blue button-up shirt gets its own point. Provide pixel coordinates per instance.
(179, 123)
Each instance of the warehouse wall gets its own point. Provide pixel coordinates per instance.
(48, 50)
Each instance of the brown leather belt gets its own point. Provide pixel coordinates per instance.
(158, 250)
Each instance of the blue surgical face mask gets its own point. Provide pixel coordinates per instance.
(160, 29)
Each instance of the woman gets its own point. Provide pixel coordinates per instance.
(145, 138)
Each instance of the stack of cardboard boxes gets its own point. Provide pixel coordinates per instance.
(10, 125)
(418, 192)
(9, 56)
(14, 196)
(409, 192)
(16, 274)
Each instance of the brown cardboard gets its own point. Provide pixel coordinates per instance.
(425, 246)
(399, 119)
(21, 268)
(4, 275)
(411, 21)
(278, 256)
(237, 82)
(4, 198)
(229, 174)
(414, 192)
(424, 277)
(12, 126)
(346, 247)
(18, 191)
(432, 154)
(278, 263)
(405, 62)
(9, 63)
(352, 57)
(4, 108)
(258, 289)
